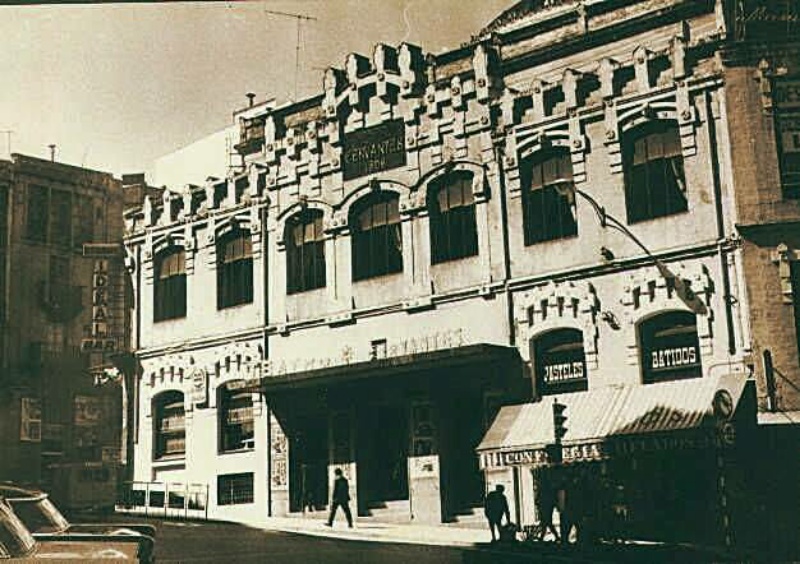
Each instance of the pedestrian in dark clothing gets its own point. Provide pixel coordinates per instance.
(340, 498)
(546, 499)
(495, 506)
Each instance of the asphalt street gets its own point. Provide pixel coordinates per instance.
(187, 542)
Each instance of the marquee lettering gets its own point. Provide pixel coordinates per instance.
(671, 358)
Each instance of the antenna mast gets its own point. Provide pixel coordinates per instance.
(299, 18)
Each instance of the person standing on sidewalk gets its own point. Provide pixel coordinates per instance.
(340, 498)
(495, 506)
(546, 504)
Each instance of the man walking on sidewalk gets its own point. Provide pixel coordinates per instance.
(341, 497)
(495, 507)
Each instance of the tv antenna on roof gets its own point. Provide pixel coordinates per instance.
(299, 18)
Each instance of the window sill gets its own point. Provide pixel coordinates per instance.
(167, 319)
(178, 461)
(245, 450)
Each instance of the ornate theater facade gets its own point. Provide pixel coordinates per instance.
(409, 268)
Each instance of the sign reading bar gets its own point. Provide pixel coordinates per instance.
(99, 339)
(374, 149)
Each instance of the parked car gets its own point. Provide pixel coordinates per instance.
(41, 516)
(18, 544)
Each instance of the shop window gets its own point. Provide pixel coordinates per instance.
(559, 362)
(234, 269)
(305, 252)
(795, 278)
(453, 230)
(169, 425)
(377, 242)
(37, 214)
(547, 213)
(234, 489)
(235, 418)
(655, 184)
(169, 290)
(670, 348)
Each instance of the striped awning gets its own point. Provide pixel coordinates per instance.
(611, 420)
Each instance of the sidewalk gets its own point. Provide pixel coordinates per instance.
(442, 535)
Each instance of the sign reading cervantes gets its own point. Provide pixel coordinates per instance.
(374, 149)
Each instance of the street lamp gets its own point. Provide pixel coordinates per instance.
(565, 187)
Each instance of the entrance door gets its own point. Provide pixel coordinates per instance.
(383, 453)
(309, 456)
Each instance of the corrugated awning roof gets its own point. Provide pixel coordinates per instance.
(614, 412)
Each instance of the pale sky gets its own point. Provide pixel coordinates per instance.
(116, 86)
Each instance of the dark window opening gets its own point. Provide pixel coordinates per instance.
(235, 420)
(454, 233)
(670, 348)
(169, 425)
(655, 184)
(234, 489)
(305, 252)
(559, 362)
(169, 287)
(234, 269)
(38, 213)
(377, 241)
(547, 214)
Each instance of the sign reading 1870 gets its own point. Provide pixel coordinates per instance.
(374, 149)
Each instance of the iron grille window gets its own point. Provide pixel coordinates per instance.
(559, 362)
(789, 129)
(37, 214)
(235, 420)
(234, 270)
(234, 489)
(169, 425)
(547, 214)
(655, 184)
(377, 239)
(454, 233)
(170, 285)
(670, 348)
(305, 252)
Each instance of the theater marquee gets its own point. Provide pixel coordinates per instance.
(374, 149)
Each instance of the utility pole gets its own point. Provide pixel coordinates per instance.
(299, 18)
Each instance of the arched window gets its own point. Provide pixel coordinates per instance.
(547, 212)
(169, 425)
(235, 409)
(169, 290)
(234, 269)
(655, 185)
(376, 237)
(454, 234)
(305, 252)
(559, 362)
(670, 348)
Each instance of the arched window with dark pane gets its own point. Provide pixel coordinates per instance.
(234, 269)
(377, 241)
(169, 425)
(559, 362)
(235, 409)
(169, 288)
(305, 252)
(655, 183)
(454, 233)
(548, 213)
(669, 347)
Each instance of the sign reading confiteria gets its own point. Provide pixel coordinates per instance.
(374, 149)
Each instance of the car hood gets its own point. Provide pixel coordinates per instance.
(113, 529)
(83, 550)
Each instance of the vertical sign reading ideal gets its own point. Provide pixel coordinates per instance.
(99, 340)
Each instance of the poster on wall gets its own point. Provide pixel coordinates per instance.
(30, 424)
(88, 410)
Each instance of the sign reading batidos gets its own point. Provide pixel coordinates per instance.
(374, 149)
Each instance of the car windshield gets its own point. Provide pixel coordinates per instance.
(14, 536)
(40, 515)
